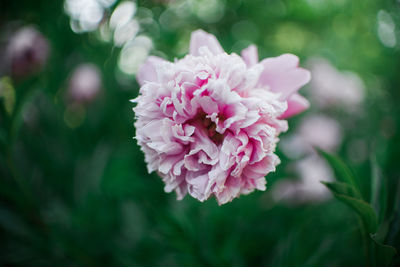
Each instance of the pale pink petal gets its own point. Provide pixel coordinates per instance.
(296, 105)
(231, 190)
(197, 185)
(250, 55)
(282, 62)
(200, 39)
(147, 71)
(282, 75)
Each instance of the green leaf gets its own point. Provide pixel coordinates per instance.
(342, 189)
(394, 227)
(383, 253)
(364, 210)
(7, 92)
(342, 171)
(378, 191)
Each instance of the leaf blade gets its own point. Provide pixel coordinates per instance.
(342, 189)
(383, 253)
(341, 170)
(363, 209)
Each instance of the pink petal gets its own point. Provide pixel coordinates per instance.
(197, 185)
(250, 55)
(147, 71)
(283, 75)
(261, 168)
(296, 105)
(200, 39)
(230, 191)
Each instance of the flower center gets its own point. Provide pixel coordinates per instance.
(208, 126)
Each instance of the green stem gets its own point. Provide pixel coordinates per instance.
(366, 244)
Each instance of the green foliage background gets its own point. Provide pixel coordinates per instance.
(82, 196)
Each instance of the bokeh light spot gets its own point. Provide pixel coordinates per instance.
(386, 29)
(122, 14)
(74, 115)
(134, 54)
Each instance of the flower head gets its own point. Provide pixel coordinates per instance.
(209, 123)
(333, 88)
(27, 52)
(85, 83)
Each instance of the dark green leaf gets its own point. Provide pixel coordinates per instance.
(394, 228)
(7, 92)
(383, 253)
(342, 171)
(343, 189)
(363, 209)
(378, 191)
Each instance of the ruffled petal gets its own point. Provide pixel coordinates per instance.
(200, 39)
(250, 55)
(296, 105)
(147, 71)
(282, 75)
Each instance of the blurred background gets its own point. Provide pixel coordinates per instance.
(74, 190)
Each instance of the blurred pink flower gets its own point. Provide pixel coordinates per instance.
(209, 123)
(313, 131)
(312, 171)
(27, 52)
(85, 83)
(331, 87)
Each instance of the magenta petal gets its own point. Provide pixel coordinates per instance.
(200, 39)
(250, 55)
(147, 71)
(282, 74)
(296, 105)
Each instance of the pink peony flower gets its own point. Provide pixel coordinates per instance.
(209, 123)
(27, 52)
(333, 88)
(308, 189)
(85, 83)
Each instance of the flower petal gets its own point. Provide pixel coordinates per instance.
(147, 71)
(296, 105)
(282, 75)
(250, 55)
(200, 39)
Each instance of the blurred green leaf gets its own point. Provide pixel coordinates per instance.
(363, 209)
(342, 171)
(342, 189)
(393, 235)
(347, 192)
(378, 191)
(383, 253)
(7, 92)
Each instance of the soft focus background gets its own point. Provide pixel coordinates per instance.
(74, 190)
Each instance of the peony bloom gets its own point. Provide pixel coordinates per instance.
(85, 83)
(209, 123)
(27, 52)
(313, 131)
(333, 88)
(308, 189)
